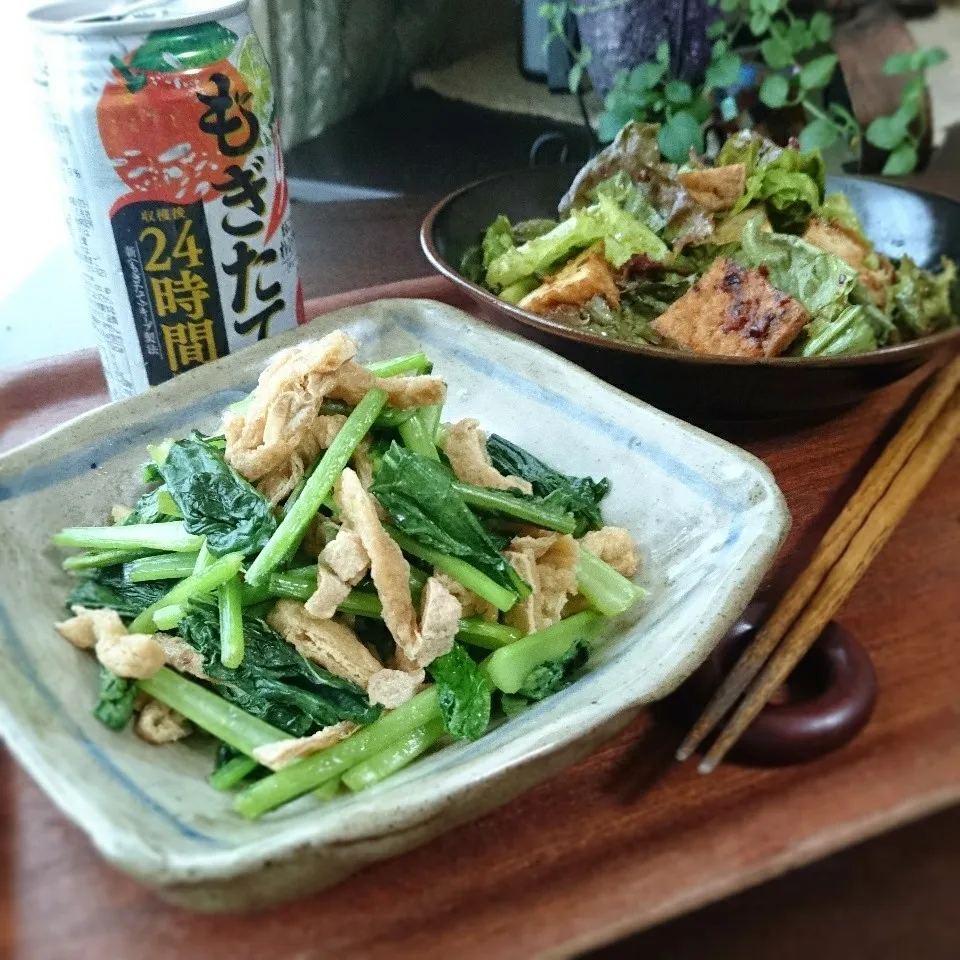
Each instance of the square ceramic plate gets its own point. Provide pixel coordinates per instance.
(708, 517)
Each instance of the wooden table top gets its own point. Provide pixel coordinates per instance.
(625, 839)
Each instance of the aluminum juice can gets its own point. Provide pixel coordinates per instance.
(163, 116)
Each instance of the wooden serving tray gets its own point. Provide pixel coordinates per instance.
(620, 842)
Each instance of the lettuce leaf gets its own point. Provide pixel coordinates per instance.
(922, 300)
(622, 233)
(826, 285)
(463, 693)
(630, 196)
(838, 209)
(791, 186)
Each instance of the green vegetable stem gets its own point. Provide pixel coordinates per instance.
(172, 536)
(231, 622)
(307, 774)
(293, 526)
(394, 758)
(607, 591)
(164, 566)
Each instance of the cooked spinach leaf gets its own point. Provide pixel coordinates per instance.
(554, 675)
(419, 494)
(274, 682)
(215, 500)
(115, 699)
(463, 693)
(108, 588)
(580, 496)
(147, 509)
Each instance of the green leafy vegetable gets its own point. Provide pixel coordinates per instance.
(215, 500)
(822, 282)
(108, 588)
(631, 196)
(463, 693)
(838, 209)
(419, 495)
(115, 699)
(622, 233)
(923, 301)
(273, 681)
(554, 675)
(580, 496)
(497, 239)
(790, 184)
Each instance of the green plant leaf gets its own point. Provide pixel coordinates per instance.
(906, 113)
(776, 53)
(887, 133)
(821, 26)
(898, 63)
(584, 58)
(678, 91)
(716, 29)
(645, 76)
(902, 160)
(770, 6)
(932, 57)
(817, 72)
(913, 90)
(819, 134)
(800, 38)
(609, 125)
(774, 90)
(663, 52)
(728, 6)
(678, 135)
(724, 71)
(759, 23)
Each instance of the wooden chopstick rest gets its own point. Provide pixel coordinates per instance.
(843, 577)
(836, 539)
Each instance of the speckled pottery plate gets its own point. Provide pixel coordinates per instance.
(708, 517)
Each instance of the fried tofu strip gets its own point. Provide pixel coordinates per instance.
(353, 382)
(278, 754)
(330, 593)
(346, 557)
(470, 604)
(157, 723)
(587, 276)
(549, 565)
(466, 449)
(614, 546)
(388, 567)
(132, 655)
(716, 188)
(735, 312)
(390, 688)
(332, 645)
(440, 613)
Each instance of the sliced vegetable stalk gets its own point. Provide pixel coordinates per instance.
(199, 583)
(461, 571)
(509, 667)
(394, 758)
(293, 526)
(304, 775)
(231, 622)
(535, 510)
(488, 636)
(388, 416)
(418, 437)
(171, 536)
(163, 566)
(608, 591)
(167, 618)
(412, 363)
(229, 774)
(94, 559)
(225, 721)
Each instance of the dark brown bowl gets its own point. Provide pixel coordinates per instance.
(900, 221)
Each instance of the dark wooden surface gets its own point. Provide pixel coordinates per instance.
(625, 839)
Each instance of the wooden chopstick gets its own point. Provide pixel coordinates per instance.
(846, 573)
(842, 531)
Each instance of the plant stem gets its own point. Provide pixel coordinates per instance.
(388, 416)
(508, 667)
(608, 591)
(231, 773)
(394, 758)
(307, 774)
(415, 363)
(231, 623)
(167, 618)
(163, 566)
(461, 571)
(488, 636)
(94, 559)
(293, 526)
(170, 536)
(501, 502)
(204, 558)
(328, 790)
(204, 582)
(226, 722)
(417, 438)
